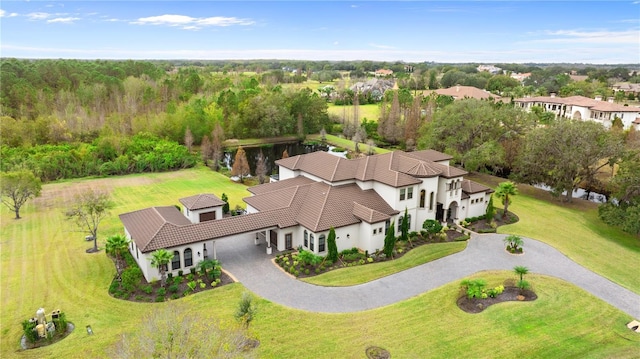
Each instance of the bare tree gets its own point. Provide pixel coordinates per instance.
(205, 149)
(261, 168)
(88, 210)
(188, 139)
(176, 332)
(411, 124)
(217, 137)
(240, 165)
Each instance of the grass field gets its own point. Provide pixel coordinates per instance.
(369, 111)
(44, 264)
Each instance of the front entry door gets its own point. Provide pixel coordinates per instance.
(273, 238)
(288, 241)
(439, 212)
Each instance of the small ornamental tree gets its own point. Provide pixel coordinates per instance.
(331, 246)
(88, 210)
(17, 187)
(491, 210)
(514, 243)
(225, 207)
(432, 227)
(505, 191)
(160, 259)
(390, 241)
(521, 271)
(240, 166)
(285, 153)
(117, 245)
(404, 226)
(246, 310)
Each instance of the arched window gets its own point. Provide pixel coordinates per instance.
(423, 195)
(431, 201)
(175, 261)
(188, 257)
(321, 241)
(311, 242)
(306, 238)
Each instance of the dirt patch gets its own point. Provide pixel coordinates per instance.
(510, 294)
(374, 352)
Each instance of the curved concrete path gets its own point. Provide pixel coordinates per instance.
(254, 269)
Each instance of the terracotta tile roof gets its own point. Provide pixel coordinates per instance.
(598, 105)
(397, 169)
(316, 206)
(470, 187)
(274, 186)
(200, 201)
(459, 92)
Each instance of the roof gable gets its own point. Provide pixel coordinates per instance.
(200, 201)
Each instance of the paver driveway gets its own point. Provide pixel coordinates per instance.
(253, 267)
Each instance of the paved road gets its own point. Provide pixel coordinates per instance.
(253, 267)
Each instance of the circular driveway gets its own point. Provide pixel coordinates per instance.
(254, 269)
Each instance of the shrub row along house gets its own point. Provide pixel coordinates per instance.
(584, 108)
(312, 193)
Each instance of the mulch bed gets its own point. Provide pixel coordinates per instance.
(174, 288)
(43, 342)
(477, 305)
(374, 352)
(482, 225)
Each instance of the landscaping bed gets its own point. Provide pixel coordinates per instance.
(482, 225)
(510, 293)
(304, 266)
(132, 285)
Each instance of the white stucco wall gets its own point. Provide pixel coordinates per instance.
(194, 216)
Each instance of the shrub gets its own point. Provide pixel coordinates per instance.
(178, 280)
(191, 285)
(175, 296)
(190, 277)
(28, 329)
(192, 270)
(139, 298)
(148, 289)
(180, 272)
(161, 292)
(218, 280)
(130, 278)
(173, 288)
(160, 298)
(114, 287)
(306, 271)
(170, 275)
(474, 287)
(317, 270)
(370, 260)
(61, 323)
(213, 284)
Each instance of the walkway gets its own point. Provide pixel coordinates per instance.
(253, 267)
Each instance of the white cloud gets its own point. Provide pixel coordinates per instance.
(38, 15)
(591, 37)
(192, 23)
(63, 20)
(335, 43)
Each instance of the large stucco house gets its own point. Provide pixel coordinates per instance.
(360, 198)
(585, 109)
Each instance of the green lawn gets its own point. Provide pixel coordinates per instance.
(369, 111)
(366, 273)
(44, 264)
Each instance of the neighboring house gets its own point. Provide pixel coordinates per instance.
(584, 108)
(521, 77)
(460, 92)
(383, 72)
(376, 87)
(360, 198)
(489, 68)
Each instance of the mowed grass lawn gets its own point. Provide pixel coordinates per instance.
(44, 264)
(369, 111)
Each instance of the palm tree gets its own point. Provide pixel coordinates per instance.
(212, 265)
(117, 246)
(504, 191)
(514, 243)
(521, 271)
(160, 259)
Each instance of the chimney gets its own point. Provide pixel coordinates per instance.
(610, 99)
(598, 98)
(553, 94)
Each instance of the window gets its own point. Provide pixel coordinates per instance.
(387, 224)
(410, 193)
(380, 230)
(311, 242)
(400, 222)
(188, 257)
(402, 194)
(431, 201)
(306, 238)
(423, 196)
(321, 241)
(204, 251)
(374, 231)
(175, 262)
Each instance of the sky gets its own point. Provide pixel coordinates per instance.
(596, 32)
